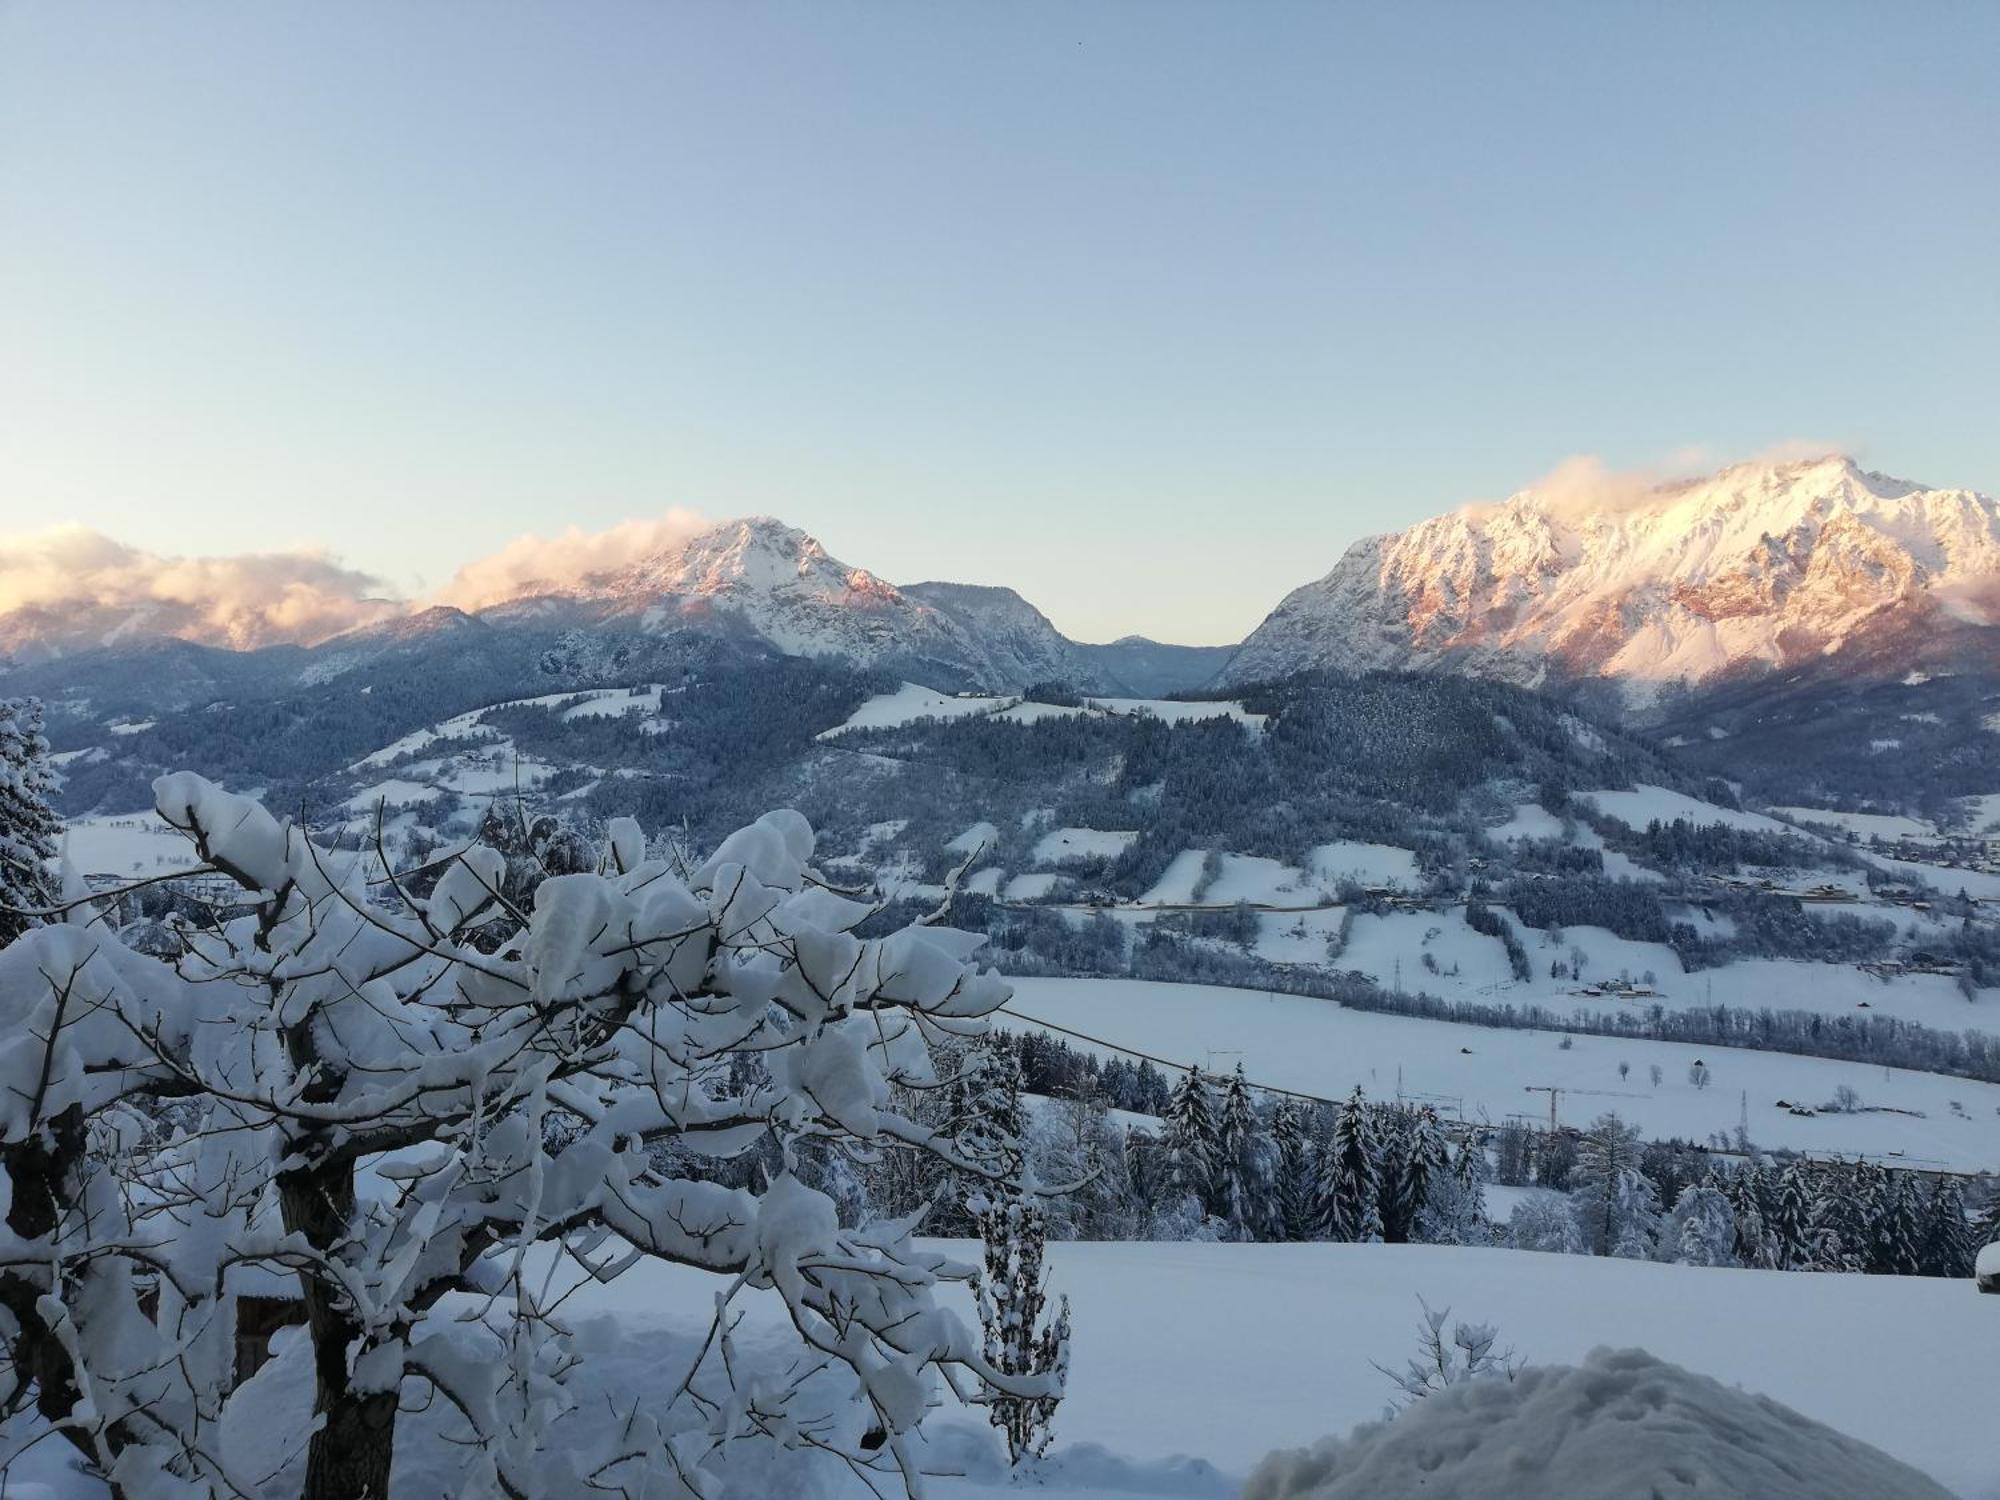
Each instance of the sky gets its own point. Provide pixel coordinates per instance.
(1144, 309)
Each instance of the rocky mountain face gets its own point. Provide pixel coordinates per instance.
(1769, 565)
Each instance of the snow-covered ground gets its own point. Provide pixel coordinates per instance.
(1242, 877)
(1059, 844)
(131, 845)
(1644, 804)
(1479, 1073)
(1867, 825)
(911, 702)
(1228, 1352)
(1365, 864)
(1225, 1352)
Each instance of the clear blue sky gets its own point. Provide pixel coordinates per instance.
(1146, 309)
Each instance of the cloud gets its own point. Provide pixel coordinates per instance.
(255, 599)
(531, 565)
(1584, 485)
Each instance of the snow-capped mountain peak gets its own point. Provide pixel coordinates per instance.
(1763, 562)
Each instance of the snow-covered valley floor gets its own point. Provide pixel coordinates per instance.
(1485, 1074)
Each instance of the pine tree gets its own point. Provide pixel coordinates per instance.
(1454, 1210)
(1296, 1193)
(1840, 1231)
(1945, 1245)
(1350, 1183)
(1424, 1160)
(1243, 1184)
(1193, 1139)
(1897, 1222)
(1745, 1189)
(29, 828)
(1793, 1245)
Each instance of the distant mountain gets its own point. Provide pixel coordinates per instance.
(757, 582)
(1156, 669)
(1766, 565)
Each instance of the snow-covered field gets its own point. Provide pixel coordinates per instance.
(1867, 825)
(1365, 864)
(1059, 844)
(1479, 1073)
(1225, 1352)
(912, 702)
(131, 845)
(1644, 804)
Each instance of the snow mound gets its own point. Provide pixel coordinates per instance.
(1622, 1423)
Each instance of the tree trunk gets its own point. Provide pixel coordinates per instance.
(350, 1454)
(42, 1190)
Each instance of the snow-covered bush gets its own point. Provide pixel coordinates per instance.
(1440, 1363)
(1621, 1423)
(359, 1101)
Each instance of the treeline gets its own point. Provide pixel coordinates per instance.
(1612, 1194)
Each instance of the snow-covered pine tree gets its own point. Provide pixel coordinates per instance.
(1193, 1139)
(1245, 1183)
(1297, 1191)
(1945, 1243)
(1841, 1234)
(1349, 1184)
(29, 828)
(1896, 1224)
(1794, 1245)
(1424, 1162)
(1746, 1192)
(1020, 1342)
(1454, 1209)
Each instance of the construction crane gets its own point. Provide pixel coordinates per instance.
(1555, 1093)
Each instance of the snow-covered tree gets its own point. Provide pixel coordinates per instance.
(1617, 1206)
(1839, 1232)
(421, 1132)
(1895, 1222)
(1193, 1139)
(1297, 1189)
(1702, 1227)
(1747, 1190)
(1245, 1176)
(29, 828)
(1545, 1221)
(1454, 1206)
(1792, 1224)
(1946, 1240)
(1423, 1162)
(1020, 1341)
(1349, 1187)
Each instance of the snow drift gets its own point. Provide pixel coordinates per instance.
(1620, 1424)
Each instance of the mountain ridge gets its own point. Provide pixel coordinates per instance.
(1761, 564)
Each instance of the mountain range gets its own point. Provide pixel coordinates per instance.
(1778, 566)
(1811, 567)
